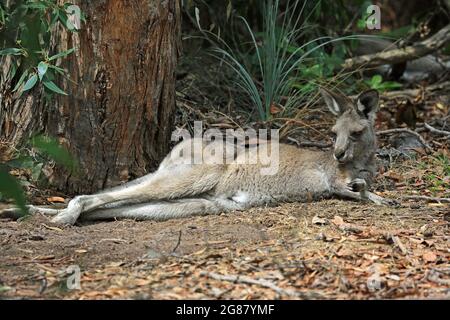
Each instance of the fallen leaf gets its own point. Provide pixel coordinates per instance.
(440, 106)
(343, 252)
(378, 268)
(274, 109)
(56, 199)
(429, 256)
(337, 220)
(394, 176)
(45, 257)
(51, 228)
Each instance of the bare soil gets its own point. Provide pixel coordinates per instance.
(331, 249)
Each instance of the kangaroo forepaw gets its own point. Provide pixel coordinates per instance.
(357, 185)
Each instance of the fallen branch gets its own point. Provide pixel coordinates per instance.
(405, 130)
(263, 283)
(413, 93)
(395, 56)
(425, 198)
(436, 131)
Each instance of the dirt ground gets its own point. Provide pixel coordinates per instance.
(331, 249)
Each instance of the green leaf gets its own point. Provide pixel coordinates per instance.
(42, 69)
(21, 80)
(13, 70)
(66, 21)
(376, 80)
(61, 54)
(10, 188)
(54, 150)
(53, 87)
(30, 83)
(11, 51)
(57, 69)
(37, 5)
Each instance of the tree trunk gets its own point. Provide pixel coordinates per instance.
(117, 119)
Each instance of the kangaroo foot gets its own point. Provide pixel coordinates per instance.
(69, 215)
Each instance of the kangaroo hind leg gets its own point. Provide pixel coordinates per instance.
(158, 211)
(182, 182)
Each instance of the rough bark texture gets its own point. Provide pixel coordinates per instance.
(117, 118)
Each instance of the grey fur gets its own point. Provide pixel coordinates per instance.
(182, 190)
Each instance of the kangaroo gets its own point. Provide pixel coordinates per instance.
(178, 189)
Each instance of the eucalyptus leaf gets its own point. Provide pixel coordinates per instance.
(11, 51)
(53, 87)
(61, 54)
(21, 80)
(30, 83)
(42, 69)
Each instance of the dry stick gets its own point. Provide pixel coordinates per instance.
(399, 130)
(396, 240)
(394, 56)
(436, 131)
(263, 283)
(431, 199)
(178, 242)
(412, 93)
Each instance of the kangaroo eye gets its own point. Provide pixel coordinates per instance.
(356, 134)
(333, 136)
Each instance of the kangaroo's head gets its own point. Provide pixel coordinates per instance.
(354, 129)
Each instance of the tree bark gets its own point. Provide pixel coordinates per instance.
(117, 119)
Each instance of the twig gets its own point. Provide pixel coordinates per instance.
(116, 240)
(396, 240)
(430, 199)
(412, 93)
(437, 131)
(320, 145)
(263, 283)
(399, 130)
(394, 56)
(178, 242)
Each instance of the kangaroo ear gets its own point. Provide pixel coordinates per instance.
(335, 102)
(367, 104)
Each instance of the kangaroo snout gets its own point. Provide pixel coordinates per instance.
(342, 149)
(339, 155)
